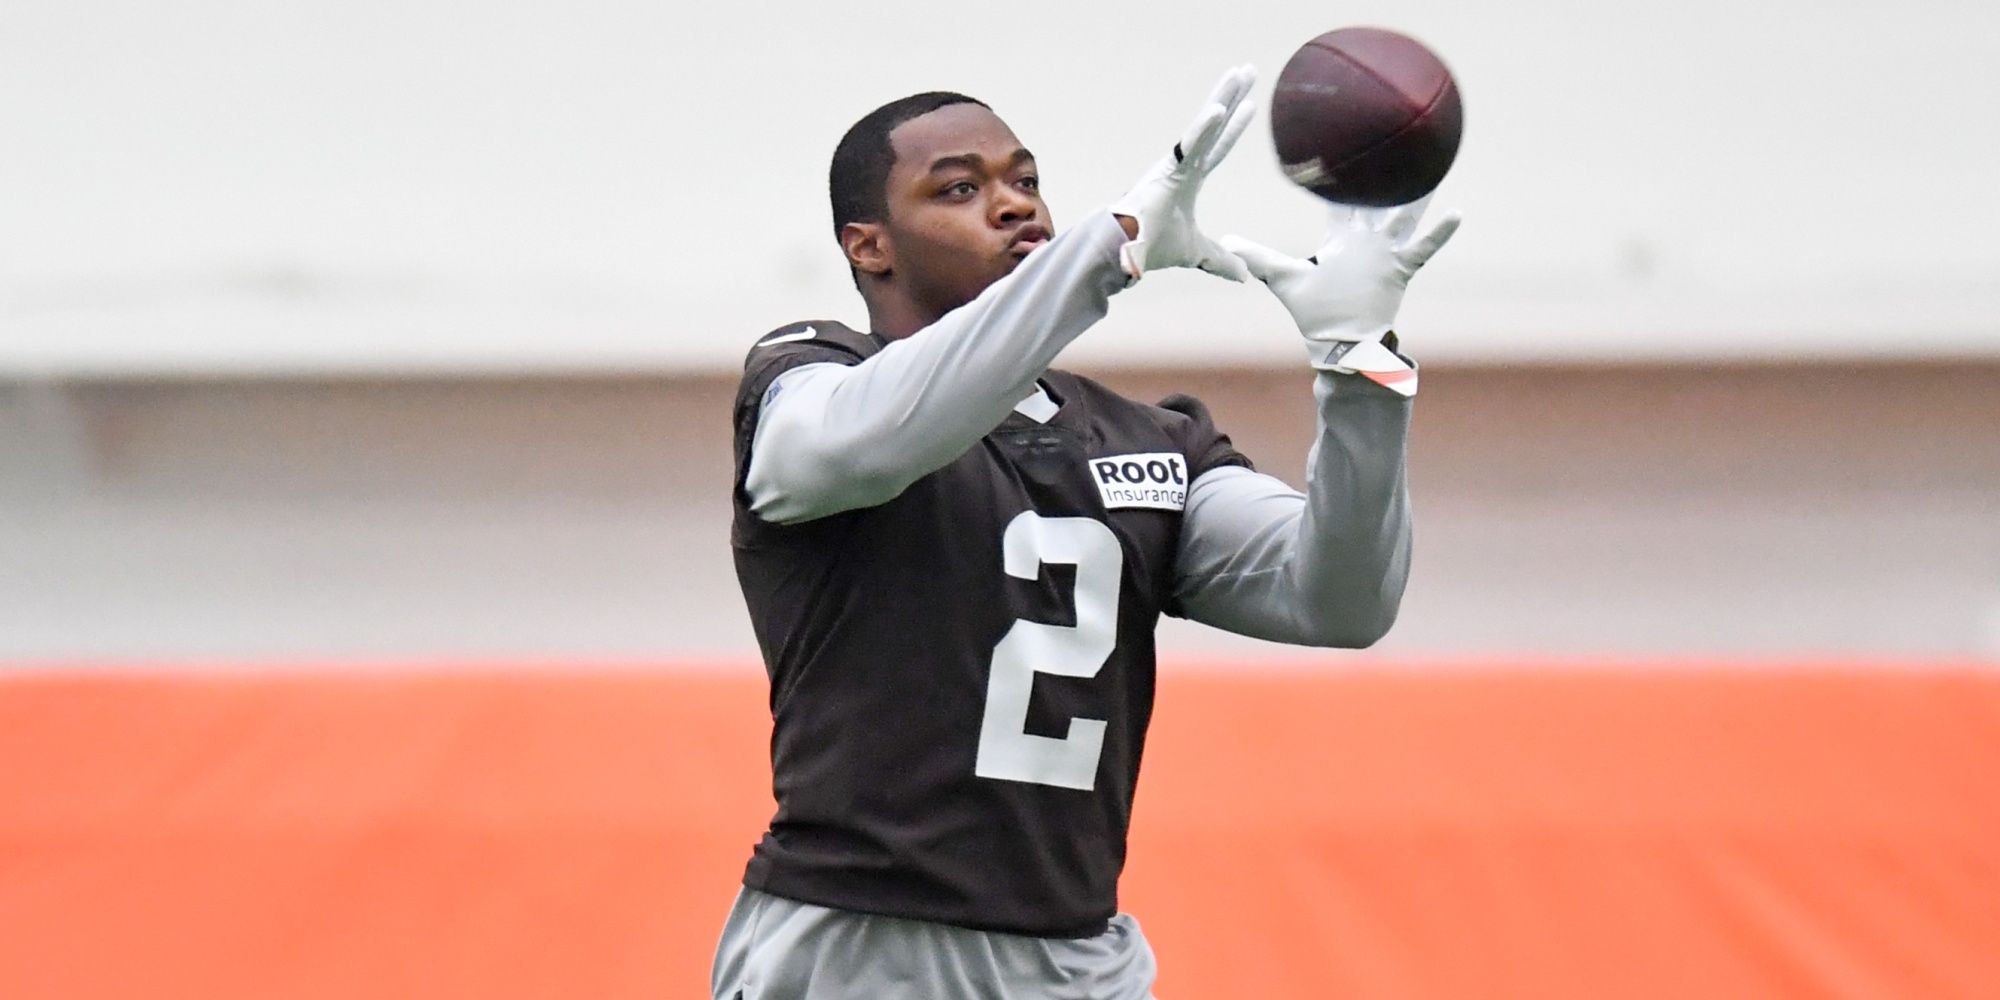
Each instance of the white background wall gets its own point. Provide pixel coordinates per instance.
(1762, 513)
(444, 186)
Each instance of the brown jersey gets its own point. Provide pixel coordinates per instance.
(961, 677)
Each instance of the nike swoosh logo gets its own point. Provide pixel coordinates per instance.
(785, 338)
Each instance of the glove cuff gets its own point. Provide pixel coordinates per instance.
(1370, 359)
(1132, 255)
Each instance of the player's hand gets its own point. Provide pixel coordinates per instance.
(1162, 203)
(1344, 298)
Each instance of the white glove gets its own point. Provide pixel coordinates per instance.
(1163, 200)
(1344, 298)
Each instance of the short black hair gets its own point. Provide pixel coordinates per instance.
(859, 178)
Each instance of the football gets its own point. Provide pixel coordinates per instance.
(1366, 116)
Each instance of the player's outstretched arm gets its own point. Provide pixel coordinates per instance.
(1327, 567)
(834, 437)
(1321, 568)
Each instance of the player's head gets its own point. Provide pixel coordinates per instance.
(933, 200)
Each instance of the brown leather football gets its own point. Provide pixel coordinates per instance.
(1366, 116)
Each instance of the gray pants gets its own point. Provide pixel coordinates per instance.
(780, 949)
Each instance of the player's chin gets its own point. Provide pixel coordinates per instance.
(1013, 258)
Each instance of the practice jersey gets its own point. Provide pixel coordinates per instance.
(962, 677)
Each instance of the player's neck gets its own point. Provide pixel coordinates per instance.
(893, 318)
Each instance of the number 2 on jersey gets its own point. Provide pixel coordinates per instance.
(1006, 749)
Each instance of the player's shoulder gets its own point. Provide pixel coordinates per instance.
(832, 339)
(810, 342)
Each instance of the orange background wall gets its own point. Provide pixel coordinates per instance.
(1796, 831)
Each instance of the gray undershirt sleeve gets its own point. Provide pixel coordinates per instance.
(834, 437)
(1325, 568)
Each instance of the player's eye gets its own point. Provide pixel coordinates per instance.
(960, 189)
(1030, 183)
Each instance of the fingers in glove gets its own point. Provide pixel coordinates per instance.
(1261, 261)
(1416, 254)
(1234, 86)
(1342, 220)
(1232, 130)
(1221, 263)
(1370, 219)
(1202, 136)
(1400, 221)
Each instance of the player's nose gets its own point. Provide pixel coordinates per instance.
(1012, 205)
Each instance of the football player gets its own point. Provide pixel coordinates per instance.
(955, 555)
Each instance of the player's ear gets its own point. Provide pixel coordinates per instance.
(868, 248)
